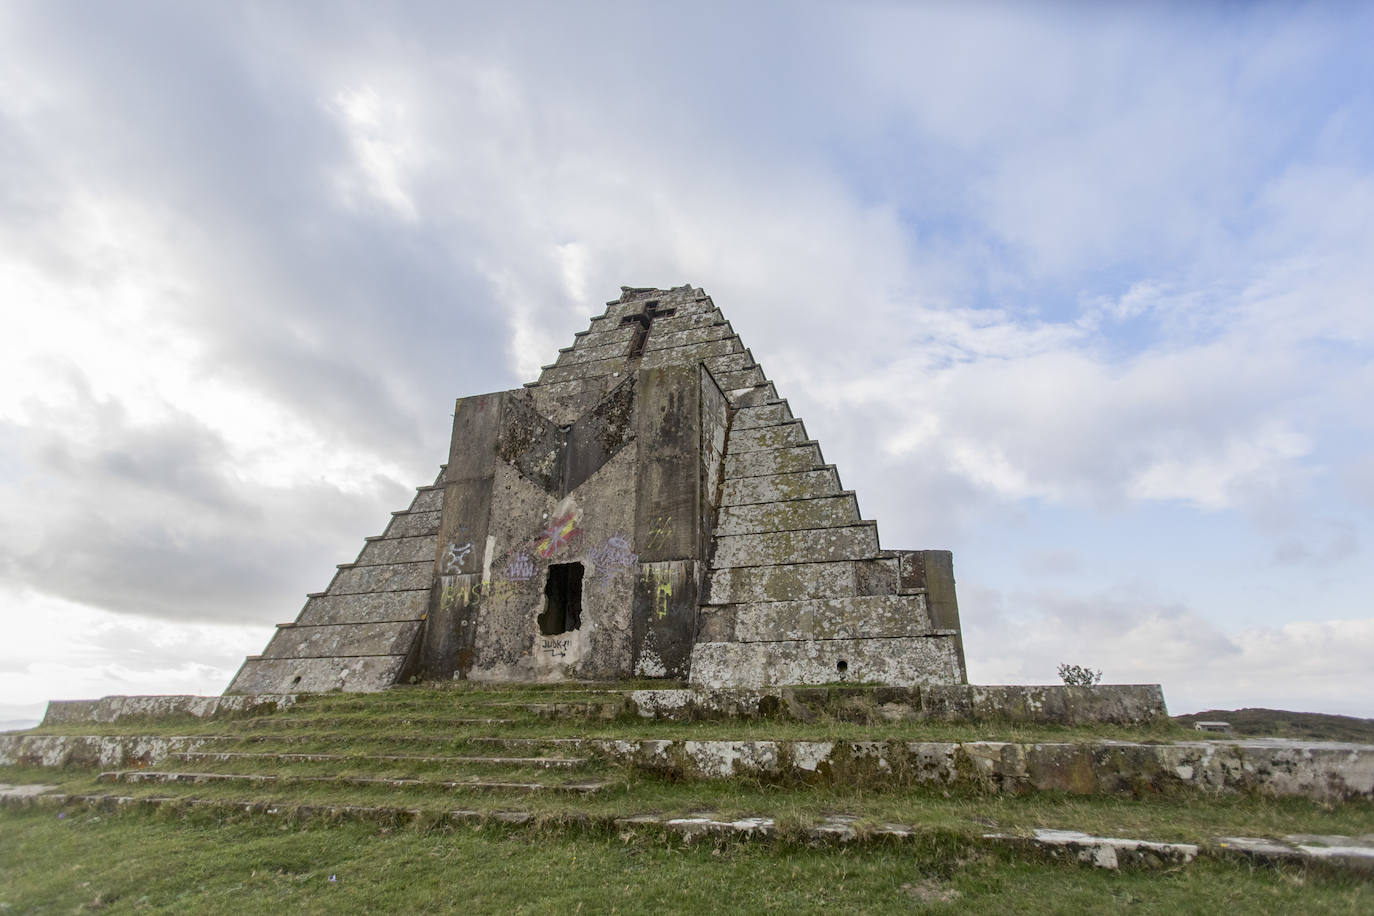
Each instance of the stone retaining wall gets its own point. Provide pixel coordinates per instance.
(112, 709)
(1116, 704)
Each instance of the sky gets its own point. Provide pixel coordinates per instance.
(1081, 292)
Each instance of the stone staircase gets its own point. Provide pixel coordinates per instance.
(799, 590)
(588, 755)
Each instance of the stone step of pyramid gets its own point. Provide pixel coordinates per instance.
(762, 415)
(908, 660)
(822, 481)
(789, 515)
(751, 396)
(365, 608)
(767, 461)
(380, 552)
(591, 353)
(726, 346)
(390, 577)
(162, 776)
(579, 371)
(233, 756)
(668, 339)
(817, 545)
(860, 616)
(785, 582)
(784, 434)
(343, 639)
(732, 362)
(413, 524)
(731, 381)
(428, 499)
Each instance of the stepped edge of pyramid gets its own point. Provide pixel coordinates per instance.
(648, 508)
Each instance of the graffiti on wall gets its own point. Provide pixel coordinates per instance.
(612, 559)
(560, 535)
(556, 648)
(660, 533)
(455, 558)
(660, 585)
(520, 568)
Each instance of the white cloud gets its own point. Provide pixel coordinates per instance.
(1133, 637)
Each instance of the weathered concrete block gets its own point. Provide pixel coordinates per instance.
(782, 547)
(748, 378)
(428, 499)
(773, 461)
(398, 550)
(763, 415)
(391, 578)
(777, 487)
(782, 435)
(364, 608)
(786, 582)
(922, 660)
(690, 352)
(764, 393)
(365, 674)
(661, 338)
(413, 524)
(789, 515)
(832, 618)
(116, 708)
(389, 638)
(578, 371)
(1125, 704)
(732, 362)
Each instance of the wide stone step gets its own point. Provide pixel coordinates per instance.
(762, 415)
(372, 607)
(818, 545)
(732, 362)
(291, 723)
(591, 353)
(427, 499)
(578, 371)
(162, 776)
(747, 378)
(393, 577)
(691, 353)
(780, 435)
(384, 551)
(413, 524)
(343, 639)
(668, 339)
(232, 756)
(914, 660)
(767, 462)
(752, 396)
(863, 616)
(786, 582)
(767, 488)
(789, 515)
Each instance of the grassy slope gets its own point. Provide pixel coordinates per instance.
(158, 863)
(226, 862)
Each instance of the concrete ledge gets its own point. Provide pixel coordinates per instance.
(114, 708)
(1116, 704)
(1326, 772)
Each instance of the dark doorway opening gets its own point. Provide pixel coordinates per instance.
(562, 600)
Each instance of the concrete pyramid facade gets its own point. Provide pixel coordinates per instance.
(648, 508)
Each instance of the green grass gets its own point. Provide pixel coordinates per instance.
(140, 862)
(213, 857)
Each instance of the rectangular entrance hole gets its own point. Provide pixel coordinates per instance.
(562, 600)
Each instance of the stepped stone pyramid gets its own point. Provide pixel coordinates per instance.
(648, 508)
